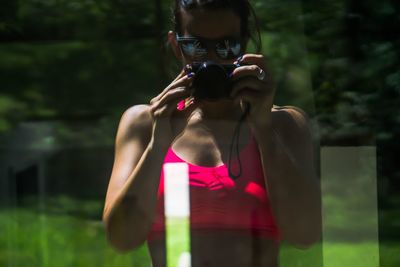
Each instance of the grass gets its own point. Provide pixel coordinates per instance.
(69, 233)
(178, 239)
(339, 254)
(60, 237)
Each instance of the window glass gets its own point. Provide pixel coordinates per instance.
(70, 69)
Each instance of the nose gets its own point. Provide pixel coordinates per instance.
(212, 56)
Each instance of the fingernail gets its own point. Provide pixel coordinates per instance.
(190, 74)
(181, 105)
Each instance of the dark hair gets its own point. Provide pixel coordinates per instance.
(249, 29)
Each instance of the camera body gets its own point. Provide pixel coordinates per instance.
(212, 81)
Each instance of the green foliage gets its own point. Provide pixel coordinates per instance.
(10, 110)
(91, 57)
(76, 59)
(82, 20)
(77, 77)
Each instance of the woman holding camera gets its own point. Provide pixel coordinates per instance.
(249, 190)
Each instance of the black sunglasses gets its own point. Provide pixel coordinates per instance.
(197, 48)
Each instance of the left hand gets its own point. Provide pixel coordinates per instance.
(253, 85)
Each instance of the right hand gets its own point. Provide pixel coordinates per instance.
(163, 108)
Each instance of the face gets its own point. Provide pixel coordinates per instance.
(213, 35)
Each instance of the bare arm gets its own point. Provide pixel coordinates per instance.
(143, 138)
(286, 149)
(132, 192)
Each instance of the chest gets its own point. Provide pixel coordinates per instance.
(199, 147)
(217, 200)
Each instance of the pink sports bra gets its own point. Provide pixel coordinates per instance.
(219, 202)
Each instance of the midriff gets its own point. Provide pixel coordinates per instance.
(223, 248)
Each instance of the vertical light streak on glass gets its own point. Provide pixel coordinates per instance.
(350, 210)
(42, 215)
(177, 214)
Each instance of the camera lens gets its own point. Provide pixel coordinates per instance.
(211, 81)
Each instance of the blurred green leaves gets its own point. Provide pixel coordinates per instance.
(86, 60)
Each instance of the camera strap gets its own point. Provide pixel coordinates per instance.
(235, 144)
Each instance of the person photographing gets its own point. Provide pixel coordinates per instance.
(251, 164)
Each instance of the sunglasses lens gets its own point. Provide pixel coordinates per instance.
(228, 49)
(193, 48)
(197, 49)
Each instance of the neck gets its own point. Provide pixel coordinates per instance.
(218, 120)
(219, 111)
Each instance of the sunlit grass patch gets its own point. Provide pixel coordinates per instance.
(36, 238)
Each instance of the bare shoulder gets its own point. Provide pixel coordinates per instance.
(136, 123)
(290, 118)
(134, 132)
(293, 129)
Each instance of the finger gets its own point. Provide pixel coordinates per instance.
(252, 59)
(176, 94)
(180, 81)
(247, 83)
(183, 80)
(189, 106)
(185, 103)
(169, 108)
(180, 75)
(249, 70)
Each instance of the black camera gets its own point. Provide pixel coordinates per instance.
(212, 81)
